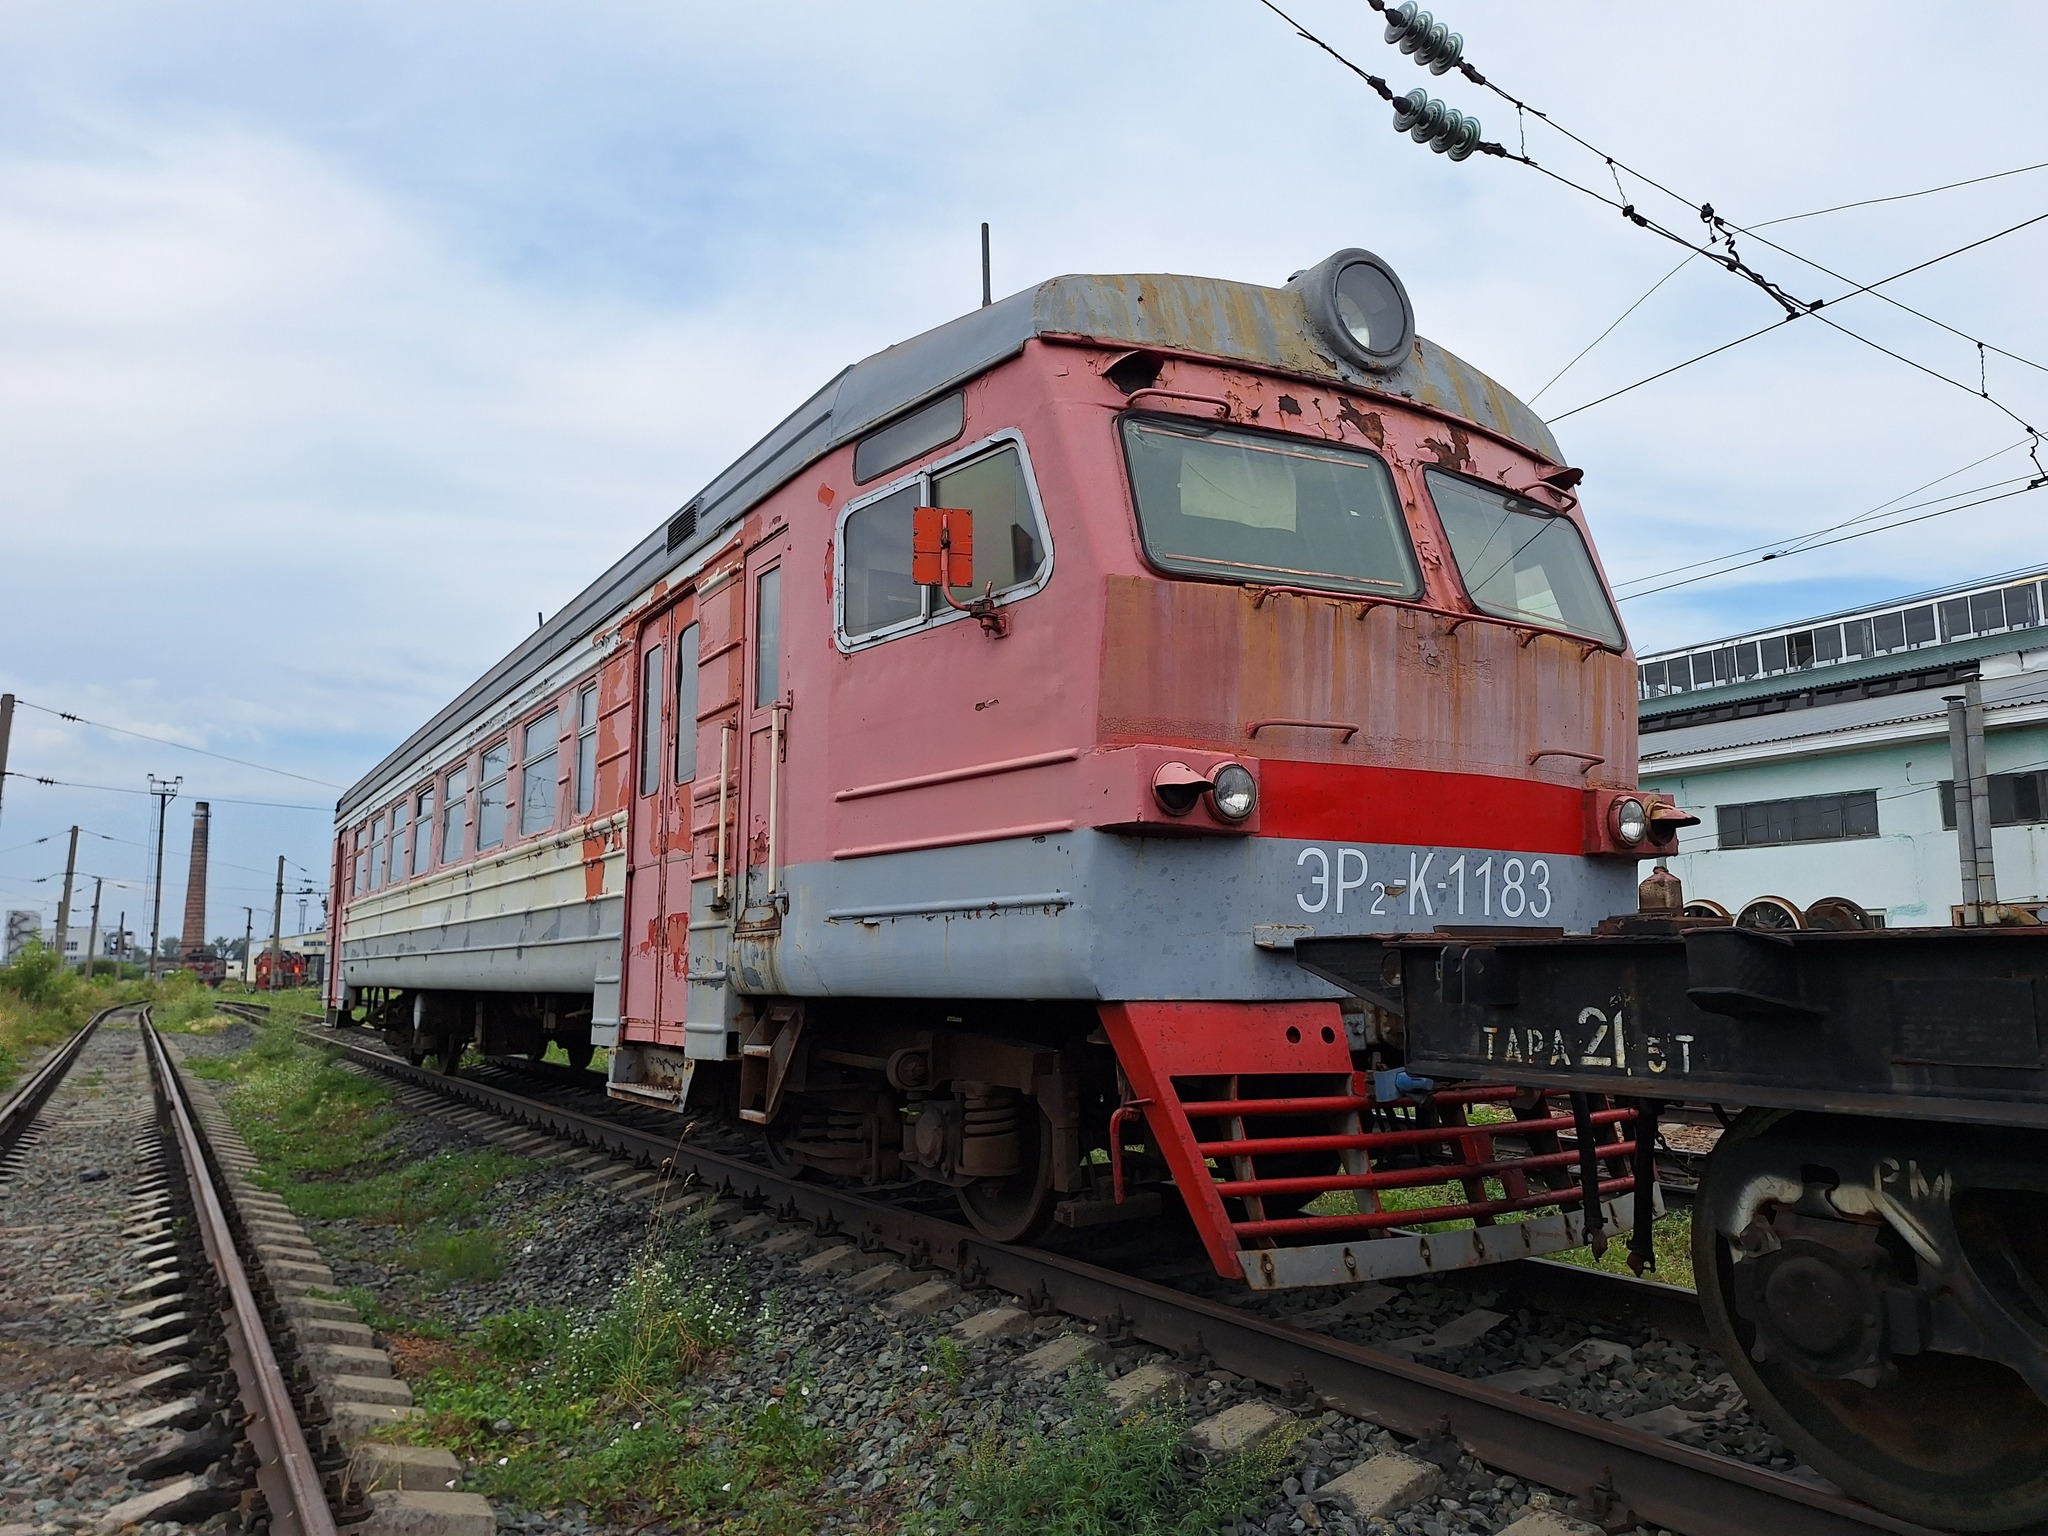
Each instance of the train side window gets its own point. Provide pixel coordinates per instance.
(650, 721)
(423, 832)
(907, 437)
(879, 593)
(686, 705)
(376, 853)
(362, 863)
(397, 874)
(1007, 549)
(539, 752)
(455, 816)
(586, 750)
(1012, 554)
(768, 638)
(490, 796)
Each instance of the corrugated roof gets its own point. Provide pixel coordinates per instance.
(1835, 719)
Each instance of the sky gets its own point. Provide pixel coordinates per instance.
(338, 342)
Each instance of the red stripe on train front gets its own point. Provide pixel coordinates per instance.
(1340, 802)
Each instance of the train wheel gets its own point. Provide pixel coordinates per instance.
(1952, 1441)
(1772, 914)
(1017, 1209)
(448, 1054)
(580, 1054)
(773, 1139)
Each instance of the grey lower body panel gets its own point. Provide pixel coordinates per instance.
(550, 950)
(1094, 915)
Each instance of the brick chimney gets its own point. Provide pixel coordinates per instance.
(195, 888)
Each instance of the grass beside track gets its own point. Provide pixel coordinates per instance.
(616, 1409)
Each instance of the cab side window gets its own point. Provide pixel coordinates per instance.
(877, 596)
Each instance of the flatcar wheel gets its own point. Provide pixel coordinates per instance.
(773, 1139)
(1953, 1442)
(1017, 1209)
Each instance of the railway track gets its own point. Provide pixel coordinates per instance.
(234, 1405)
(1621, 1476)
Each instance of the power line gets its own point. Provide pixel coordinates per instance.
(1845, 523)
(1900, 197)
(1441, 50)
(1589, 346)
(163, 741)
(115, 789)
(2034, 484)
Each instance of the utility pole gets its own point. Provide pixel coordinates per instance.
(92, 934)
(248, 945)
(277, 928)
(165, 790)
(6, 730)
(1972, 802)
(64, 901)
(121, 943)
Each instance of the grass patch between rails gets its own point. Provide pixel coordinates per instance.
(604, 1413)
(1670, 1238)
(323, 1139)
(1094, 1475)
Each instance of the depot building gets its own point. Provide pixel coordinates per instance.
(1816, 754)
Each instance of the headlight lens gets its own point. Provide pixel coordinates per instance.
(1235, 791)
(1631, 820)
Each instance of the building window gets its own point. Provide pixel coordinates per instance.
(538, 755)
(1807, 819)
(2017, 800)
(455, 817)
(686, 705)
(490, 796)
(586, 750)
(423, 832)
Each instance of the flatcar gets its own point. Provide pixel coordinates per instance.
(942, 790)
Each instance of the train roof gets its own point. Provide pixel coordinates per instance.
(1205, 316)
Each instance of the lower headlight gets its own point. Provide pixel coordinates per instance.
(1235, 792)
(1630, 820)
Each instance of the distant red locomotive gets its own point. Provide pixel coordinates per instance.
(944, 789)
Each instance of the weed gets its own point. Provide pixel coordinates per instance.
(459, 1256)
(949, 1361)
(552, 1410)
(1093, 1475)
(370, 1307)
(1670, 1238)
(41, 1002)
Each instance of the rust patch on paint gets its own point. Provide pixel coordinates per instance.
(1455, 454)
(1367, 422)
(593, 866)
(826, 495)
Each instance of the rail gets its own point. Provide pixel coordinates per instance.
(285, 1468)
(1614, 1470)
(22, 1106)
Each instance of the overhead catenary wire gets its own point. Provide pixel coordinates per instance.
(116, 789)
(1721, 247)
(2034, 484)
(164, 741)
(1790, 546)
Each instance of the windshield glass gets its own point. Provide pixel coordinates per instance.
(1522, 562)
(1259, 507)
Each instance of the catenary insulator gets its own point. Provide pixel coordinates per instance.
(1430, 41)
(1443, 128)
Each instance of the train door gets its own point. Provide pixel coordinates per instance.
(766, 728)
(653, 997)
(721, 700)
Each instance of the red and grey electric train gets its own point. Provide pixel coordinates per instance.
(943, 791)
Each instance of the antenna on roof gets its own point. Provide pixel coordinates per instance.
(986, 297)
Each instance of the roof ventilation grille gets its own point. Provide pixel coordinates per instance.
(682, 525)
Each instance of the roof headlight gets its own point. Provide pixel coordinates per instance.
(1235, 792)
(1359, 308)
(1630, 820)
